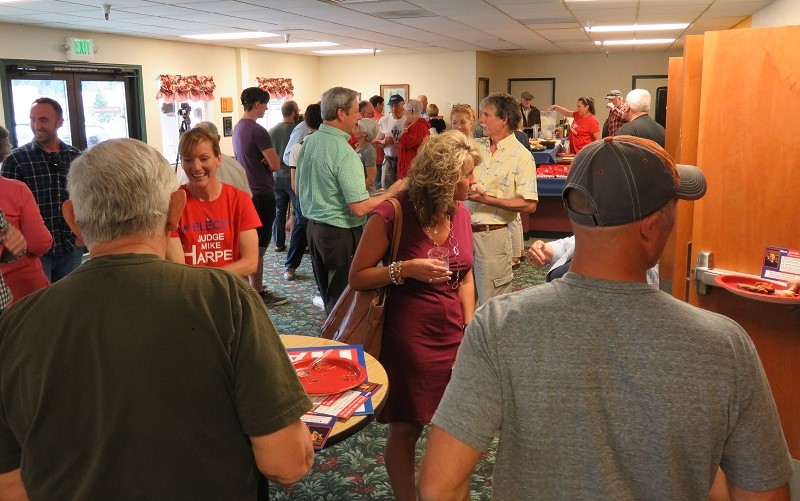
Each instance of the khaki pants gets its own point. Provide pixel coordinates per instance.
(517, 237)
(492, 266)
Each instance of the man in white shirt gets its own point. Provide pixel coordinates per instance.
(391, 126)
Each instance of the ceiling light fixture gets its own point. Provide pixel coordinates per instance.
(239, 35)
(636, 27)
(347, 51)
(296, 45)
(646, 41)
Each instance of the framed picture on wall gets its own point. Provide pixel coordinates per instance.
(227, 126)
(389, 90)
(226, 104)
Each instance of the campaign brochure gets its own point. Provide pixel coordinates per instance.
(346, 403)
(781, 263)
(320, 426)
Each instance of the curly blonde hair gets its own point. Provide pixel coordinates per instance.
(436, 170)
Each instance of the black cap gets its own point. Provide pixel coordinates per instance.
(626, 178)
(396, 99)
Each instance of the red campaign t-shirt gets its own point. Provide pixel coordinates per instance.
(582, 130)
(209, 231)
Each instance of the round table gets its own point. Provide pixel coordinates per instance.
(345, 428)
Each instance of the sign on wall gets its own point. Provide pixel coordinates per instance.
(80, 49)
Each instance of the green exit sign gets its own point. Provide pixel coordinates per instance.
(80, 49)
(83, 46)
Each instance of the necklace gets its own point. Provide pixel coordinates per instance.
(197, 201)
(433, 229)
(199, 206)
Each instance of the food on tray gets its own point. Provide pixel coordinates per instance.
(758, 287)
(786, 293)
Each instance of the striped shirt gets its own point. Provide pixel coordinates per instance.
(46, 175)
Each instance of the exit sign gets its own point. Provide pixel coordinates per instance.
(80, 49)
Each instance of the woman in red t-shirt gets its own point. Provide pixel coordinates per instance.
(585, 128)
(217, 227)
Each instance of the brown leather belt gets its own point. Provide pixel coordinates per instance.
(477, 228)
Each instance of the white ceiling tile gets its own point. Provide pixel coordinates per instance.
(577, 46)
(485, 25)
(565, 35)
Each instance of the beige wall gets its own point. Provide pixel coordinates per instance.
(590, 75)
(487, 68)
(778, 13)
(303, 70)
(445, 78)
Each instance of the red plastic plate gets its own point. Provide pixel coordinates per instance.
(331, 375)
(730, 283)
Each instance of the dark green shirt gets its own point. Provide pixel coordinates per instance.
(135, 378)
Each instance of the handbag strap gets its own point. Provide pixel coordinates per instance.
(398, 229)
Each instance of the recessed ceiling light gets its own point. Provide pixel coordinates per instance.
(11, 1)
(239, 35)
(637, 27)
(297, 45)
(638, 42)
(346, 51)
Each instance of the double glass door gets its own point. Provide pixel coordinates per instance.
(98, 103)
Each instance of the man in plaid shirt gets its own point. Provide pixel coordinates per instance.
(617, 110)
(12, 246)
(43, 165)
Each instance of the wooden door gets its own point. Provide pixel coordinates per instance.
(747, 145)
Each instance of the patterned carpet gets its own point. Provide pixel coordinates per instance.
(354, 469)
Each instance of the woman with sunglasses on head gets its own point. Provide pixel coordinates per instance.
(462, 119)
(585, 128)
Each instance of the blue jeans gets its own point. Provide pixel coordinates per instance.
(283, 193)
(298, 240)
(58, 267)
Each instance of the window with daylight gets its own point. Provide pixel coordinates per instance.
(280, 90)
(184, 101)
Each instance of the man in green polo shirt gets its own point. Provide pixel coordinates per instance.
(334, 198)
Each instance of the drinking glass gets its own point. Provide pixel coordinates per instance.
(440, 254)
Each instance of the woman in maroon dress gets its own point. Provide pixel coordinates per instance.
(429, 303)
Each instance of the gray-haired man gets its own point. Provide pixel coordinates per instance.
(134, 377)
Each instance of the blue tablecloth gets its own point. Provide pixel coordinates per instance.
(550, 186)
(546, 156)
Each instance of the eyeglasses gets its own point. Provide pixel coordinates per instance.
(458, 105)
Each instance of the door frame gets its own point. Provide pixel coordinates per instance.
(136, 123)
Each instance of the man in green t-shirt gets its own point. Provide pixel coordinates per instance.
(137, 378)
